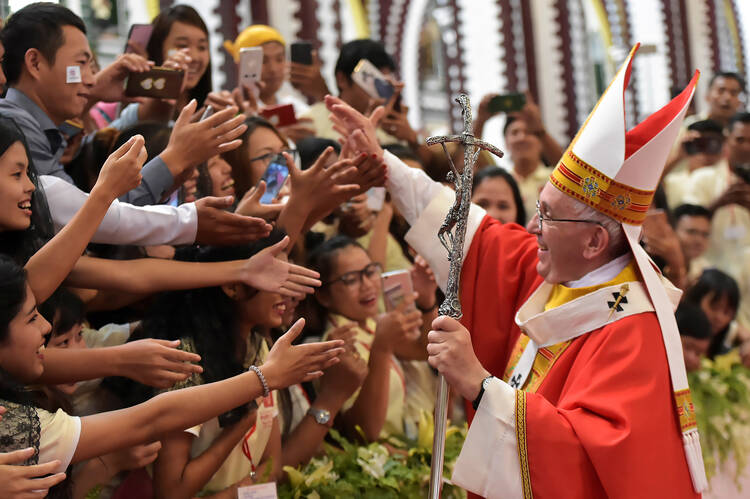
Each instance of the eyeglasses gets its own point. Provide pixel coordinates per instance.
(541, 218)
(275, 157)
(356, 277)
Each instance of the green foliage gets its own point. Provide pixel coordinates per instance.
(721, 394)
(374, 471)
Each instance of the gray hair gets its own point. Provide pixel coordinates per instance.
(618, 244)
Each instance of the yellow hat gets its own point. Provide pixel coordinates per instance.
(253, 36)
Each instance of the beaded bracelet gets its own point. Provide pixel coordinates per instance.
(262, 379)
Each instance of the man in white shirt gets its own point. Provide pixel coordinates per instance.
(203, 222)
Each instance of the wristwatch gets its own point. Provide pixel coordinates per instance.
(485, 383)
(321, 416)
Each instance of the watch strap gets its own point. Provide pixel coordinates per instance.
(475, 403)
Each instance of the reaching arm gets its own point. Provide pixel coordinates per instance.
(263, 271)
(179, 409)
(51, 264)
(371, 406)
(152, 362)
(176, 475)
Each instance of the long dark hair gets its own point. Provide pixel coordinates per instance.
(212, 319)
(321, 259)
(717, 285)
(12, 297)
(497, 172)
(22, 244)
(162, 26)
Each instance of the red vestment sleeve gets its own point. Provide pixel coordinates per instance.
(612, 431)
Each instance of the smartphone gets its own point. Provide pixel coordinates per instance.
(301, 53)
(507, 103)
(207, 113)
(372, 81)
(397, 286)
(138, 36)
(274, 176)
(251, 67)
(282, 115)
(71, 128)
(159, 83)
(703, 144)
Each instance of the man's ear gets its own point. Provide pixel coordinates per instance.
(597, 243)
(33, 61)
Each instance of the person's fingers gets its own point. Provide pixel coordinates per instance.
(230, 129)
(38, 486)
(293, 332)
(445, 323)
(303, 275)
(279, 247)
(17, 456)
(187, 112)
(175, 355)
(123, 149)
(437, 337)
(137, 147)
(219, 203)
(293, 289)
(229, 146)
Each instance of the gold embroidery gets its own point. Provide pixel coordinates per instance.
(543, 362)
(523, 457)
(685, 409)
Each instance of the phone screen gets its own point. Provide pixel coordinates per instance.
(507, 103)
(274, 176)
(139, 35)
(301, 53)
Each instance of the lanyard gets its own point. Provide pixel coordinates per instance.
(246, 450)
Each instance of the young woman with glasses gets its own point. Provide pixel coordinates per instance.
(350, 294)
(261, 144)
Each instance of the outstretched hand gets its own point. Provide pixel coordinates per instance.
(156, 363)
(122, 170)
(250, 204)
(346, 120)
(269, 270)
(322, 185)
(450, 352)
(192, 143)
(218, 226)
(289, 364)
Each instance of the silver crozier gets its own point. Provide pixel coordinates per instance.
(452, 234)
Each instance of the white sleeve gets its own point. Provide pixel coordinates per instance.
(124, 223)
(489, 464)
(424, 204)
(59, 437)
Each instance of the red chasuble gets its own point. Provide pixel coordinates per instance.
(601, 423)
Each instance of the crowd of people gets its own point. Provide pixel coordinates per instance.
(159, 313)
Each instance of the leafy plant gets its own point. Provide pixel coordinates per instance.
(381, 470)
(721, 394)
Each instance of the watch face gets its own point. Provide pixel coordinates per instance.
(486, 382)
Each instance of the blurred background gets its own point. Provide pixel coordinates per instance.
(562, 51)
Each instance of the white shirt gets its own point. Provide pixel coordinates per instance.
(124, 223)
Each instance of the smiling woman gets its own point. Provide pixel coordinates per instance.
(180, 35)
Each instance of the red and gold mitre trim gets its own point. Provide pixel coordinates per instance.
(685, 410)
(578, 179)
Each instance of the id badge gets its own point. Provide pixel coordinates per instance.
(259, 491)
